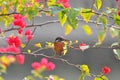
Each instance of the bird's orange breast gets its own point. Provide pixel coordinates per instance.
(59, 47)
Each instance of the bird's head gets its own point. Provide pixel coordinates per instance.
(59, 39)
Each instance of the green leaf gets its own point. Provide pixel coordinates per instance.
(98, 4)
(97, 78)
(73, 22)
(86, 14)
(101, 37)
(29, 78)
(68, 29)
(85, 69)
(117, 53)
(32, 11)
(103, 19)
(117, 19)
(118, 36)
(87, 29)
(56, 8)
(38, 45)
(113, 32)
(51, 2)
(72, 15)
(82, 76)
(1, 78)
(101, 78)
(65, 49)
(62, 17)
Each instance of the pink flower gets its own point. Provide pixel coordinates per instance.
(14, 40)
(106, 70)
(11, 58)
(44, 62)
(65, 3)
(3, 50)
(13, 49)
(28, 32)
(50, 66)
(20, 58)
(36, 65)
(38, 1)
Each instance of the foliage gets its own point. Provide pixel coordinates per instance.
(14, 13)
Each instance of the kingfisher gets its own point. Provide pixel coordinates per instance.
(59, 45)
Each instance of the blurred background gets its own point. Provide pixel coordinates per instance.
(94, 58)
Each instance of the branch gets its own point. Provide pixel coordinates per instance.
(57, 21)
(9, 14)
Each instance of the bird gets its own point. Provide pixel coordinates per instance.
(59, 44)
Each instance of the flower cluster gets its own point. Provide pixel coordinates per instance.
(65, 3)
(10, 49)
(43, 64)
(14, 40)
(19, 21)
(106, 70)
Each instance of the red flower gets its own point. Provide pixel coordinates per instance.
(65, 3)
(20, 58)
(14, 40)
(36, 65)
(118, 13)
(50, 66)
(29, 37)
(28, 34)
(20, 23)
(19, 20)
(106, 70)
(18, 16)
(20, 31)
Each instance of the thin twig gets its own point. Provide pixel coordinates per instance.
(32, 32)
(92, 5)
